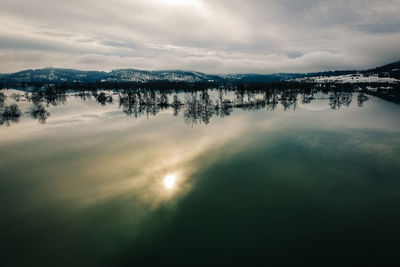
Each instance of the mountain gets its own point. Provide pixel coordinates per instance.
(55, 75)
(132, 75)
(391, 70)
(263, 78)
(389, 73)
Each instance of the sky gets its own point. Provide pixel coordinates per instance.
(211, 36)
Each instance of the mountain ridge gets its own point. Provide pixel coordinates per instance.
(65, 75)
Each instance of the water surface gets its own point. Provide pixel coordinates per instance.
(204, 181)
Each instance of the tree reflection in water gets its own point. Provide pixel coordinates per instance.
(197, 106)
(38, 112)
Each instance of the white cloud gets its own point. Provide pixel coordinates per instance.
(210, 36)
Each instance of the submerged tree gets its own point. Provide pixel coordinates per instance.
(199, 105)
(39, 113)
(9, 114)
(2, 99)
(339, 99)
(289, 99)
(103, 99)
(361, 98)
(176, 105)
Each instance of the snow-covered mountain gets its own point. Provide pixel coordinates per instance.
(350, 78)
(387, 73)
(54, 75)
(132, 75)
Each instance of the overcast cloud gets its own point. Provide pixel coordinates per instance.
(226, 36)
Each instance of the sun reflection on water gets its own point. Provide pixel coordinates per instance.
(169, 181)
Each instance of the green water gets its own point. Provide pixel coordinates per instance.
(311, 186)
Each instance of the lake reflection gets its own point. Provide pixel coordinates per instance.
(196, 106)
(117, 178)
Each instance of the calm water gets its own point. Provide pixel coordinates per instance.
(87, 182)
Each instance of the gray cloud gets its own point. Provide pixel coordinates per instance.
(223, 36)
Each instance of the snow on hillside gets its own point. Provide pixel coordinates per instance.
(145, 76)
(386, 74)
(351, 78)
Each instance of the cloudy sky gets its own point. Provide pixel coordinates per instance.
(212, 36)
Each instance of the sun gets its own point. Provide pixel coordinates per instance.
(169, 181)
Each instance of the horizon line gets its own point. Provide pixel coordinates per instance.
(193, 71)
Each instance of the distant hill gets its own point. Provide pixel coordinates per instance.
(132, 75)
(391, 70)
(53, 75)
(56, 75)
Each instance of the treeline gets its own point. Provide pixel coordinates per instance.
(391, 70)
(194, 86)
(387, 91)
(196, 106)
(152, 85)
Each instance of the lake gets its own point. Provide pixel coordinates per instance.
(217, 177)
